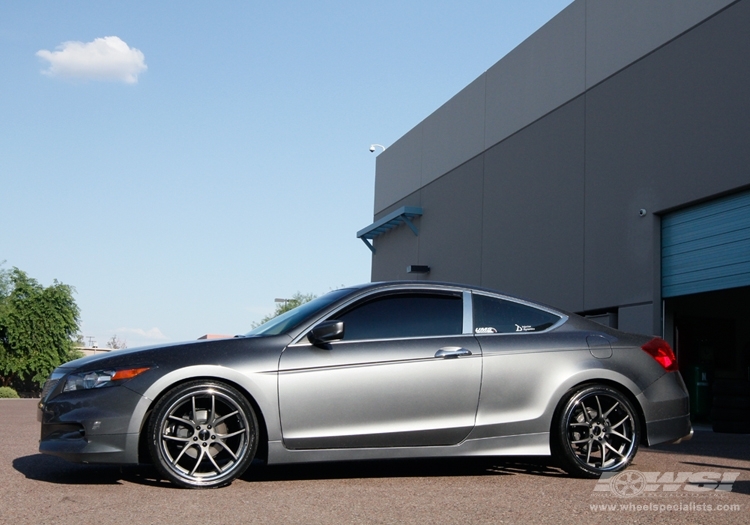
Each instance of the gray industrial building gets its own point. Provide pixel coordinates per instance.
(602, 167)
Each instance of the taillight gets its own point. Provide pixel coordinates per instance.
(662, 352)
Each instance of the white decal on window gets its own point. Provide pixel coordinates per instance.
(524, 328)
(486, 330)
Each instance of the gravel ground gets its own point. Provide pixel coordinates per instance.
(39, 489)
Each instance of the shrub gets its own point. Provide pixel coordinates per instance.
(7, 392)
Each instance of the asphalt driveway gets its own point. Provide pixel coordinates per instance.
(703, 480)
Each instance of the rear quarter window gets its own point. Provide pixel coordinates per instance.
(493, 315)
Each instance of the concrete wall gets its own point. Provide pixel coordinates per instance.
(583, 45)
(549, 209)
(534, 211)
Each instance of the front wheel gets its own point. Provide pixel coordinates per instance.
(202, 434)
(596, 431)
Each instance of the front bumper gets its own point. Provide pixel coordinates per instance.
(91, 426)
(113, 448)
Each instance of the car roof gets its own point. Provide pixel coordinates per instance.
(437, 285)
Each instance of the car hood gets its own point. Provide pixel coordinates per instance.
(154, 354)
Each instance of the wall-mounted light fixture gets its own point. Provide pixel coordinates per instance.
(642, 212)
(417, 268)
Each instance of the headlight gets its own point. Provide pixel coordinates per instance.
(99, 378)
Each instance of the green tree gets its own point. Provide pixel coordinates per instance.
(288, 304)
(37, 327)
(78, 340)
(115, 343)
(5, 286)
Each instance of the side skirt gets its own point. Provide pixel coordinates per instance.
(520, 445)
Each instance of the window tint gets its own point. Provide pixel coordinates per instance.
(404, 315)
(492, 315)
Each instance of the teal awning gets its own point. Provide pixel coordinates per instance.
(402, 215)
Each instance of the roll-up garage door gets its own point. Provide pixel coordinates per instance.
(706, 247)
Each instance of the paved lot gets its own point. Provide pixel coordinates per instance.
(40, 489)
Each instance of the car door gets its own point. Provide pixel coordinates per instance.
(407, 372)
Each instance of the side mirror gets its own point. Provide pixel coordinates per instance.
(326, 332)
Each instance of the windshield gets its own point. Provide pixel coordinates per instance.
(296, 316)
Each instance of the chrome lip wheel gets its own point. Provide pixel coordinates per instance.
(601, 431)
(204, 435)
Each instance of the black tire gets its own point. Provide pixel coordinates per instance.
(730, 414)
(731, 387)
(731, 427)
(202, 434)
(731, 402)
(596, 430)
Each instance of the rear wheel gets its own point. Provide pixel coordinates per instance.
(596, 431)
(202, 434)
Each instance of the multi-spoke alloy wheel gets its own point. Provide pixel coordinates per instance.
(597, 431)
(202, 434)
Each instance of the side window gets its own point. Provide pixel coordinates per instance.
(404, 315)
(497, 316)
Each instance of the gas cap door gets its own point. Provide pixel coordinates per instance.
(599, 346)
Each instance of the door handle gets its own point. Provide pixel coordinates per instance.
(451, 352)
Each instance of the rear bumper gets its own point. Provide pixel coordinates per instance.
(686, 438)
(673, 430)
(666, 410)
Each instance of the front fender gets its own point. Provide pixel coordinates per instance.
(261, 386)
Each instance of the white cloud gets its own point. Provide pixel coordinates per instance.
(135, 337)
(107, 58)
(153, 334)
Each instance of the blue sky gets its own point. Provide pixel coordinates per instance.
(215, 155)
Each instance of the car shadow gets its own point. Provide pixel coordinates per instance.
(404, 468)
(741, 487)
(50, 469)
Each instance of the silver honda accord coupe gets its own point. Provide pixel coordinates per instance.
(381, 370)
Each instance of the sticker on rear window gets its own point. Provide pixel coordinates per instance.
(486, 330)
(524, 328)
